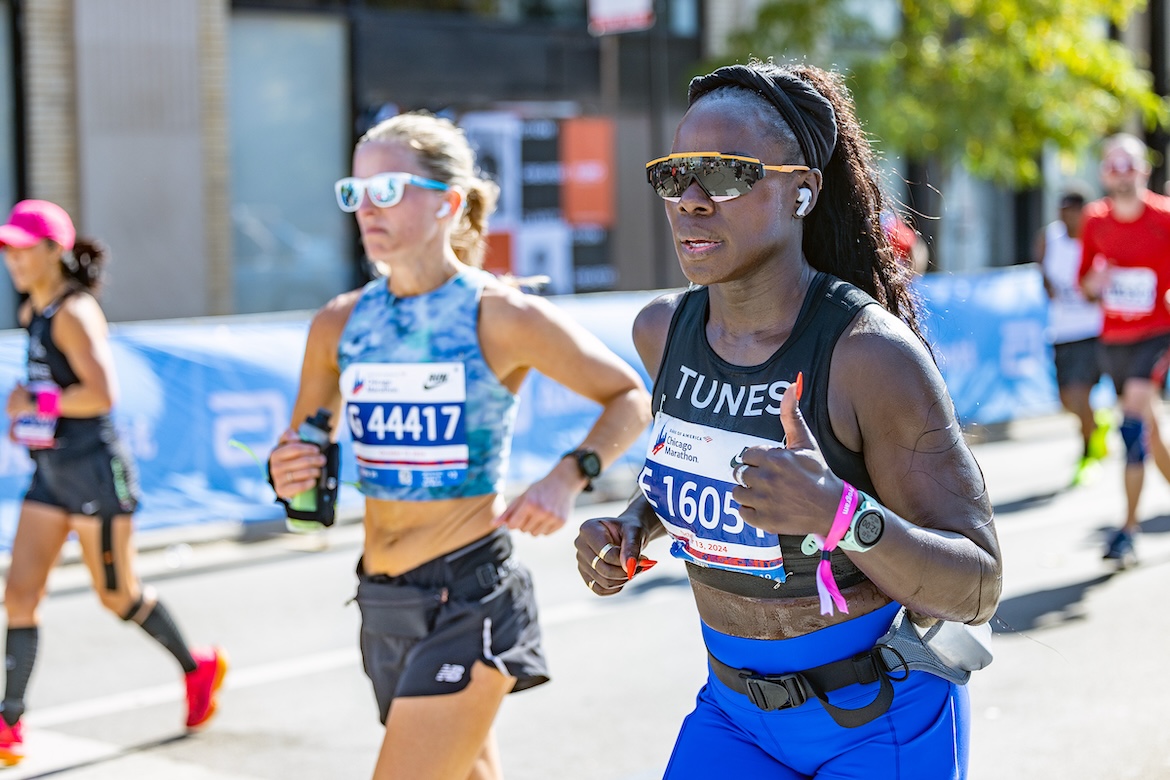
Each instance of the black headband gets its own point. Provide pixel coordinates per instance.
(807, 112)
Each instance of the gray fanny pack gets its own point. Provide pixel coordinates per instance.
(947, 649)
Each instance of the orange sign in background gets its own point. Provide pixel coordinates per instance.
(586, 151)
(498, 254)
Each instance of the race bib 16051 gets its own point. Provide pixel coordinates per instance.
(688, 479)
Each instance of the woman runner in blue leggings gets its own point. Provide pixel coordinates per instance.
(805, 460)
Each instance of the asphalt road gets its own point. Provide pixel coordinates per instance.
(1077, 689)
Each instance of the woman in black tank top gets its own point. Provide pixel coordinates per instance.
(806, 461)
(84, 479)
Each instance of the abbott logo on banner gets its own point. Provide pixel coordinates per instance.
(253, 419)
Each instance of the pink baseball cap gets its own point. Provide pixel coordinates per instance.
(32, 221)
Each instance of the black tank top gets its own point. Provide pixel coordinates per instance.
(697, 386)
(47, 363)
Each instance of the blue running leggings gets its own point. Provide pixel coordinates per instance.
(925, 732)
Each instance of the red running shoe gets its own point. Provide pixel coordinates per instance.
(202, 685)
(11, 743)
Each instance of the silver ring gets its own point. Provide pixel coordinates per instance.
(738, 472)
(601, 554)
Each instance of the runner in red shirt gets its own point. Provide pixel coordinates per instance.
(1125, 264)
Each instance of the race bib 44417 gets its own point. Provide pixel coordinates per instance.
(407, 423)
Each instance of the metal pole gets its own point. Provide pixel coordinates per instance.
(20, 96)
(659, 78)
(610, 56)
(1156, 138)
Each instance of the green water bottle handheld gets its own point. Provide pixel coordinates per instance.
(312, 509)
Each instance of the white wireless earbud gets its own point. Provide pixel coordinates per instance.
(444, 210)
(803, 197)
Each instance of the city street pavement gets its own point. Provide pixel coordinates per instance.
(1080, 684)
(1077, 689)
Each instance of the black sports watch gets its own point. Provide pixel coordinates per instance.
(588, 463)
(868, 524)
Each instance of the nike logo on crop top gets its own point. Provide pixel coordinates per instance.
(434, 381)
(729, 399)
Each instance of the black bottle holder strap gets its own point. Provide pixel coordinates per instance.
(327, 487)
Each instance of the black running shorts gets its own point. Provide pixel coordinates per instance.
(423, 630)
(101, 482)
(1145, 359)
(1078, 363)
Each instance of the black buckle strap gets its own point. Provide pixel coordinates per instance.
(776, 692)
(488, 575)
(485, 578)
(772, 692)
(474, 584)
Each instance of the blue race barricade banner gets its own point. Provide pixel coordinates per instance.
(201, 401)
(195, 397)
(988, 333)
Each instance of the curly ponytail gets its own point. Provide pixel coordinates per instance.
(85, 263)
(843, 235)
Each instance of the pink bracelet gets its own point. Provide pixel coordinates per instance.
(826, 584)
(49, 403)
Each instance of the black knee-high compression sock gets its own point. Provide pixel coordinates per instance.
(160, 626)
(19, 656)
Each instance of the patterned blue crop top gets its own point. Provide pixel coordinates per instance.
(428, 418)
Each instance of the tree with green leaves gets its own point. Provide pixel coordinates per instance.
(986, 83)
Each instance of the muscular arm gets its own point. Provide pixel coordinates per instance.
(939, 554)
(319, 370)
(651, 327)
(637, 525)
(521, 332)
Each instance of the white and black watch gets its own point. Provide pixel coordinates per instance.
(867, 526)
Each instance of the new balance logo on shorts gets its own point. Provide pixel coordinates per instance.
(450, 673)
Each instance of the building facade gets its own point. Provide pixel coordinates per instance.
(200, 138)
